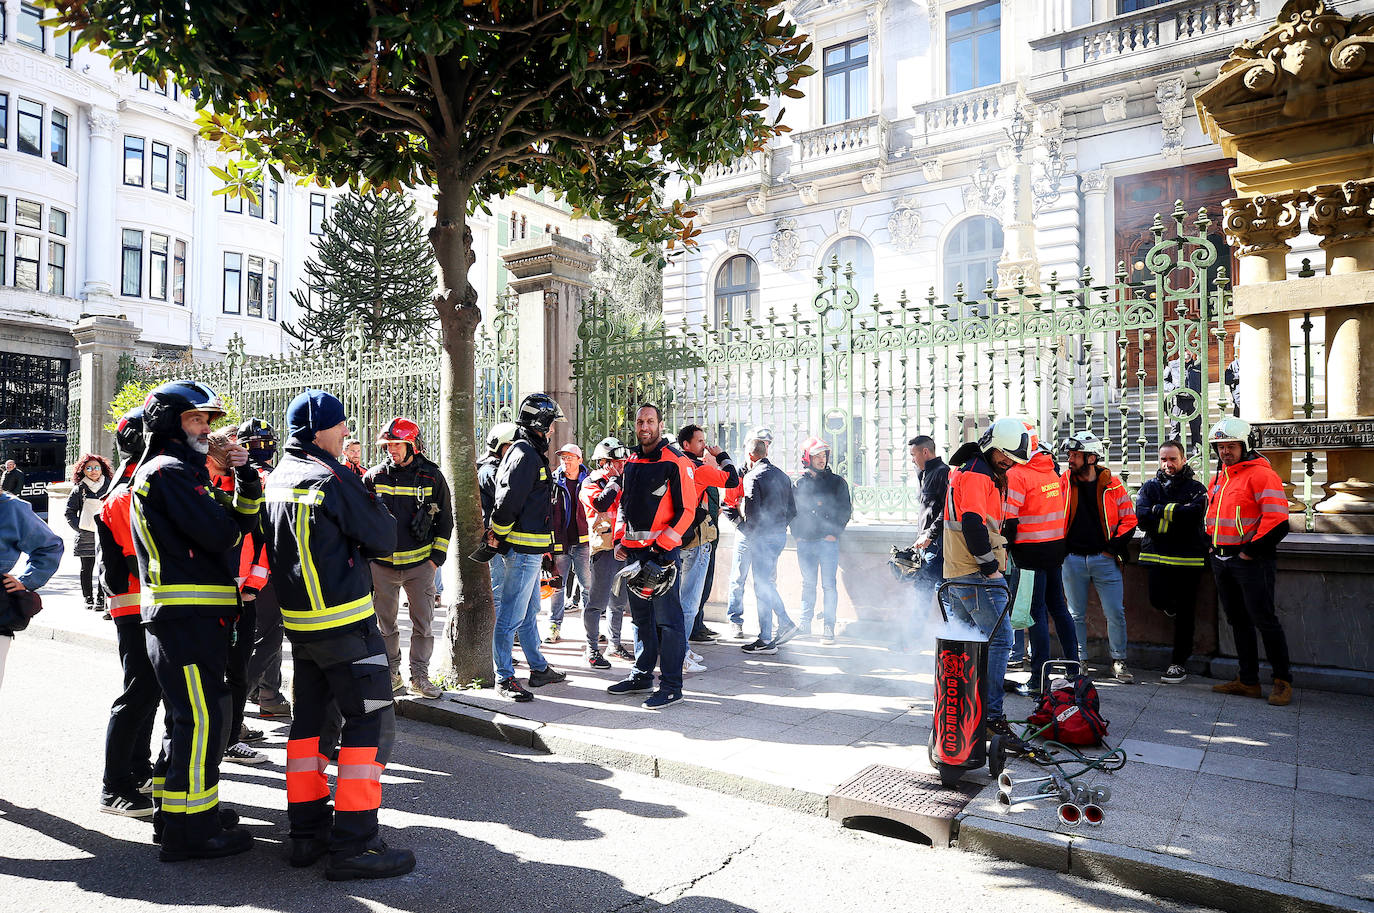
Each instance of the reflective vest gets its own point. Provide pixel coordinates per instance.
(973, 491)
(1245, 502)
(1036, 500)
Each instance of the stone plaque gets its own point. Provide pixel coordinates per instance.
(1315, 434)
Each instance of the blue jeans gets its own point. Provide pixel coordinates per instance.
(818, 556)
(1103, 573)
(516, 613)
(971, 600)
(1047, 601)
(691, 581)
(660, 638)
(578, 558)
(764, 550)
(739, 574)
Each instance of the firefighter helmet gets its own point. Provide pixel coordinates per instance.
(609, 449)
(647, 578)
(1086, 442)
(810, 447)
(256, 432)
(1231, 429)
(758, 434)
(906, 563)
(401, 431)
(539, 411)
(129, 434)
(1009, 435)
(165, 405)
(501, 434)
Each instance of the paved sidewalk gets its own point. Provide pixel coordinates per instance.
(1226, 801)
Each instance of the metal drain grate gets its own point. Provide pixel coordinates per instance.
(914, 799)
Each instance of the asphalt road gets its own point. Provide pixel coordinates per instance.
(494, 829)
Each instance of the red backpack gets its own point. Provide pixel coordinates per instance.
(1071, 713)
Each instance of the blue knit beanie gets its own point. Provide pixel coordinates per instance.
(311, 411)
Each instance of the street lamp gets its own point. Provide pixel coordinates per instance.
(1018, 131)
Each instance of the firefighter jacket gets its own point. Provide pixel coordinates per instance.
(823, 505)
(522, 512)
(709, 480)
(323, 527)
(1170, 510)
(600, 499)
(766, 504)
(185, 531)
(658, 498)
(1034, 518)
(569, 520)
(1114, 509)
(973, 542)
(1247, 511)
(118, 561)
(410, 491)
(252, 565)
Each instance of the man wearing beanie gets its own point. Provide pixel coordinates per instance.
(323, 528)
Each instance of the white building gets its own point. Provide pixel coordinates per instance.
(900, 161)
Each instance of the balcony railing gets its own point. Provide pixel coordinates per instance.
(978, 107)
(851, 142)
(744, 173)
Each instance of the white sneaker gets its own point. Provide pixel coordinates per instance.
(693, 665)
(737, 631)
(242, 754)
(1121, 673)
(694, 655)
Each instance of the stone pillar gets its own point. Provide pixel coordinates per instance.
(101, 180)
(207, 261)
(1097, 234)
(99, 343)
(1262, 227)
(1018, 261)
(551, 275)
(1343, 216)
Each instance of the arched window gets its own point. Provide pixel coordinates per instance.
(856, 252)
(971, 254)
(737, 288)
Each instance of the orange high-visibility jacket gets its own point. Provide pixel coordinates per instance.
(973, 542)
(1036, 513)
(1117, 510)
(1246, 503)
(119, 566)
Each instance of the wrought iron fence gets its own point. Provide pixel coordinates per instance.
(73, 417)
(1136, 363)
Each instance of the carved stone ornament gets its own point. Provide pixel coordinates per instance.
(933, 169)
(871, 181)
(1341, 212)
(732, 239)
(786, 243)
(1171, 95)
(985, 197)
(103, 124)
(1114, 108)
(1051, 116)
(704, 214)
(904, 225)
(809, 194)
(1307, 48)
(842, 217)
(1094, 181)
(933, 11)
(757, 204)
(1261, 223)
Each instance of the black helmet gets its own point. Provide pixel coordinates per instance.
(257, 436)
(129, 434)
(539, 411)
(163, 408)
(646, 578)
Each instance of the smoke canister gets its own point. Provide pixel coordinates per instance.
(957, 739)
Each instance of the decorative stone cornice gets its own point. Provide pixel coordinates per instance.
(1261, 223)
(904, 225)
(786, 243)
(809, 194)
(1341, 212)
(933, 169)
(1307, 48)
(1094, 181)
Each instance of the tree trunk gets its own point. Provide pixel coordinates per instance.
(467, 583)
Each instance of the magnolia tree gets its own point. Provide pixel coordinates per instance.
(601, 101)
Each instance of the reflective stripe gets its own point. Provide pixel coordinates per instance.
(410, 490)
(407, 557)
(581, 541)
(956, 525)
(197, 797)
(1030, 519)
(441, 543)
(1152, 558)
(528, 539)
(1268, 508)
(257, 570)
(189, 802)
(309, 496)
(985, 558)
(154, 561)
(329, 617)
(123, 602)
(1272, 493)
(671, 535)
(1039, 535)
(501, 530)
(360, 772)
(359, 783)
(190, 594)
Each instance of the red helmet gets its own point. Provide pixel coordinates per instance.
(401, 431)
(810, 446)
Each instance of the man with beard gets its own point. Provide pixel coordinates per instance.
(1170, 508)
(712, 469)
(185, 532)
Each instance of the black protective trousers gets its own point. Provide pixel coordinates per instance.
(189, 656)
(1245, 590)
(236, 674)
(128, 736)
(1173, 589)
(349, 669)
(264, 669)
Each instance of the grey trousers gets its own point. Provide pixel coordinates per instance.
(418, 582)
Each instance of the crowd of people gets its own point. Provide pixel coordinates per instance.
(208, 548)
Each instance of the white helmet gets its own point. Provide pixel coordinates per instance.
(1086, 442)
(609, 449)
(1231, 428)
(759, 433)
(1010, 436)
(500, 435)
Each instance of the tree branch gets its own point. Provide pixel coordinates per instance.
(440, 96)
(522, 151)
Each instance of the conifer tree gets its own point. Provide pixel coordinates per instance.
(372, 262)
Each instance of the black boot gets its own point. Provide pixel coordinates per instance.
(382, 862)
(227, 818)
(306, 851)
(226, 843)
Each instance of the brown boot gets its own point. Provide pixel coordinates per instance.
(1282, 693)
(1236, 686)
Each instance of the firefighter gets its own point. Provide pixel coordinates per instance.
(1034, 524)
(415, 492)
(499, 439)
(522, 527)
(975, 553)
(600, 497)
(128, 737)
(264, 669)
(323, 527)
(658, 502)
(184, 531)
(1246, 519)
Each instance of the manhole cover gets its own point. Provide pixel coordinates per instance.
(917, 800)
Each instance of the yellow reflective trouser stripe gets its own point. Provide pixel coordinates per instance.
(159, 787)
(330, 617)
(531, 539)
(411, 490)
(197, 797)
(154, 561)
(1151, 558)
(190, 594)
(408, 557)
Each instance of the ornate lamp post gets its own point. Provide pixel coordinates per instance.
(1018, 264)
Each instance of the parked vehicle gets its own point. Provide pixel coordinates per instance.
(43, 457)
